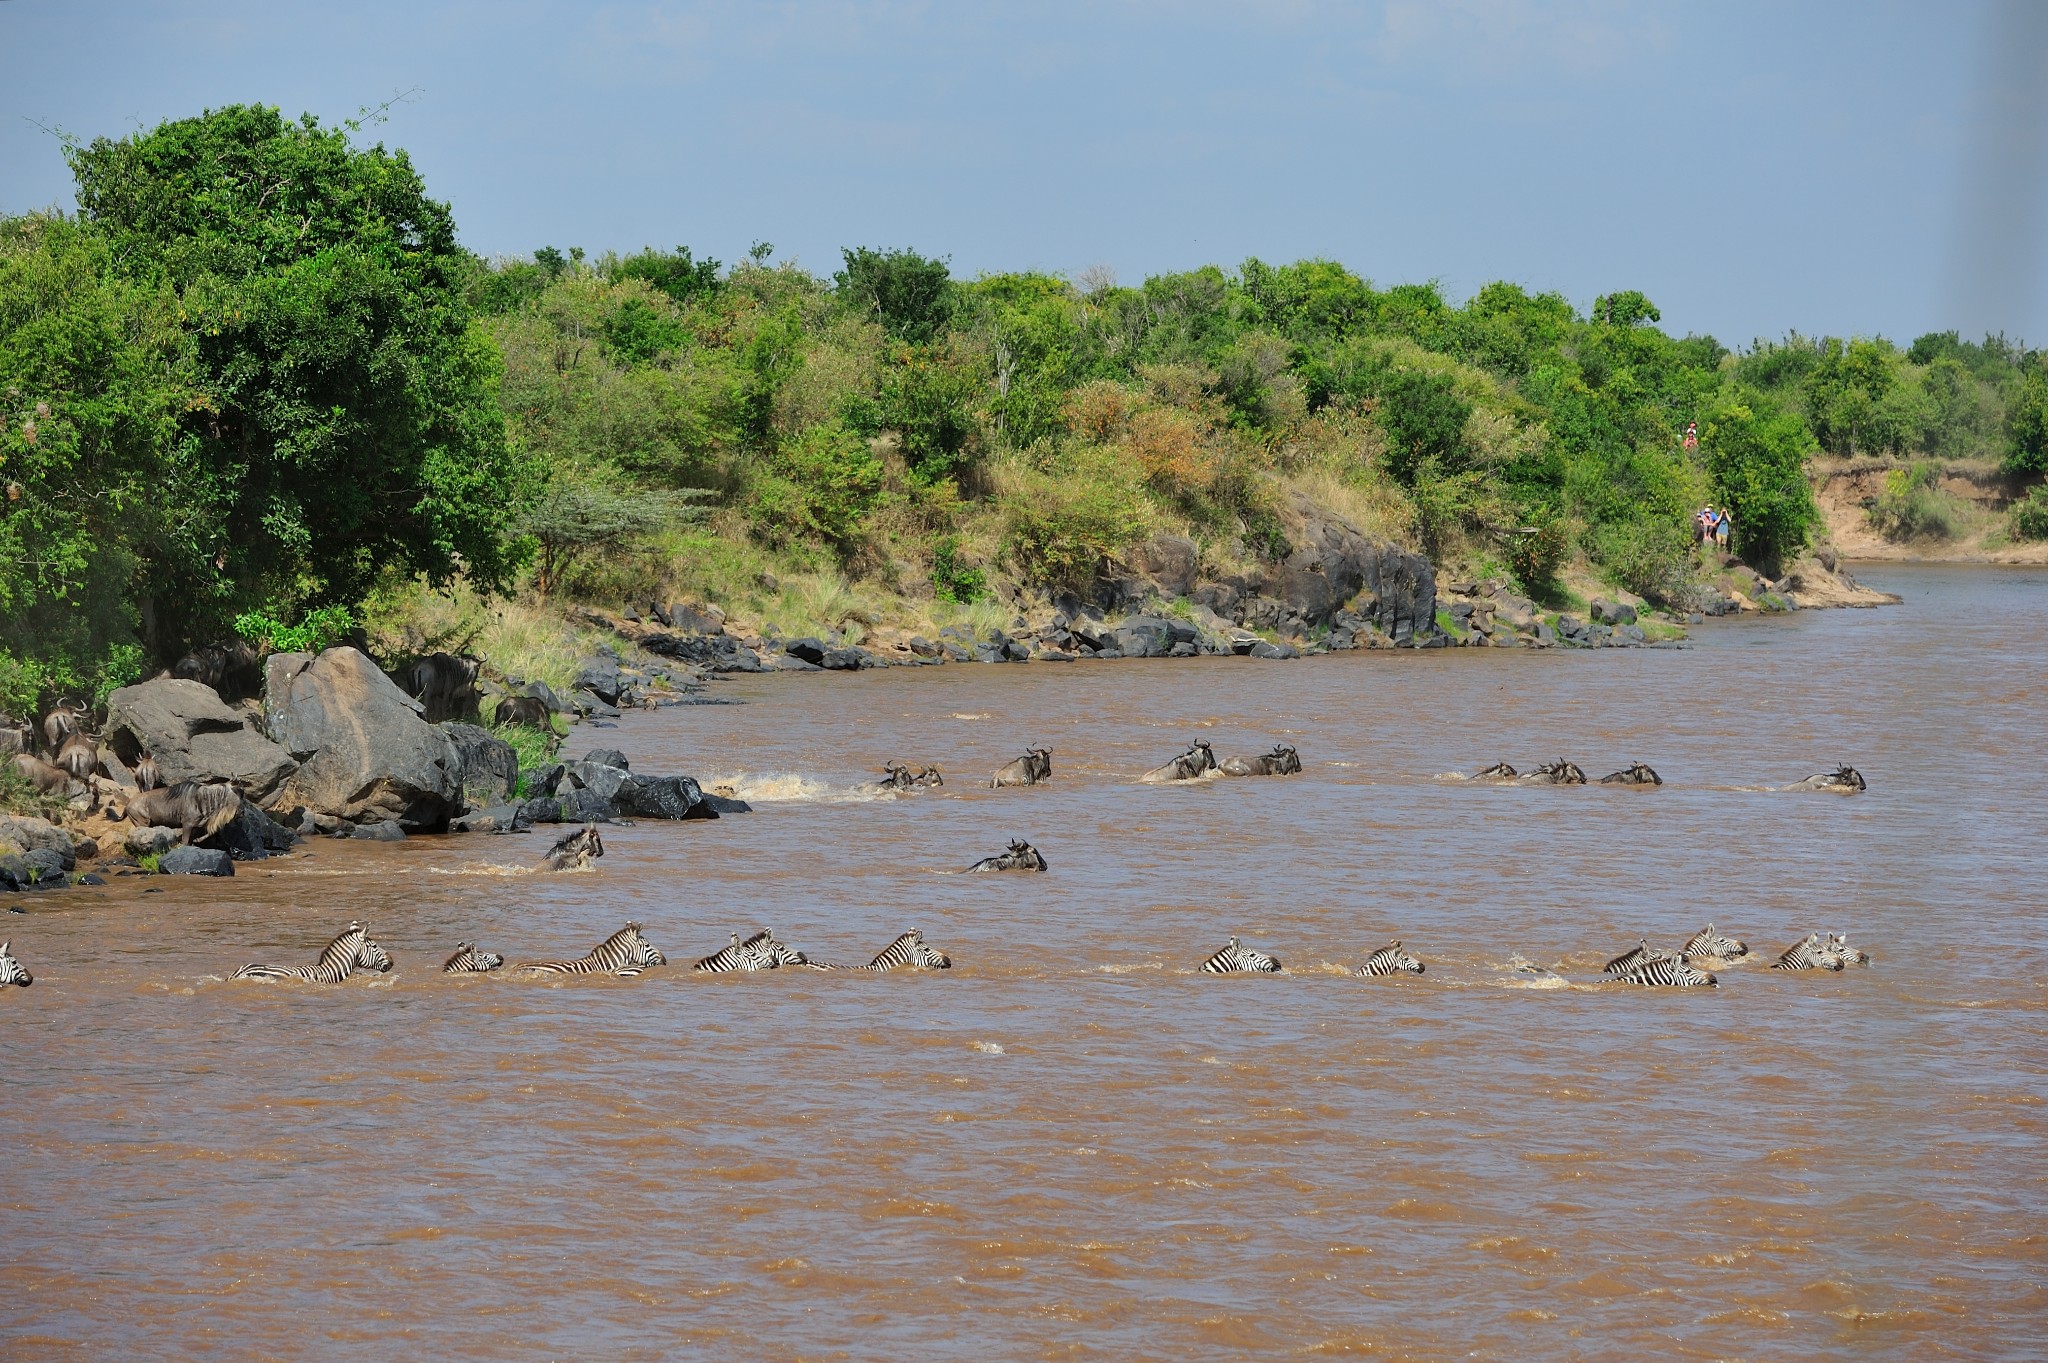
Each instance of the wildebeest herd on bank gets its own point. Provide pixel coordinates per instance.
(627, 952)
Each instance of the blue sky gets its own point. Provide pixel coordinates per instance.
(1868, 168)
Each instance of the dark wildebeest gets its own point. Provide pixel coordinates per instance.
(232, 670)
(443, 683)
(528, 710)
(575, 851)
(1558, 773)
(1499, 771)
(47, 777)
(898, 776)
(63, 721)
(1198, 760)
(1634, 774)
(1843, 780)
(197, 809)
(1282, 761)
(79, 754)
(148, 776)
(1022, 856)
(1034, 766)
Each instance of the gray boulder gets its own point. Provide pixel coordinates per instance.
(365, 753)
(601, 779)
(29, 834)
(808, 649)
(196, 861)
(490, 765)
(1144, 636)
(151, 842)
(195, 736)
(845, 659)
(386, 831)
(667, 797)
(496, 819)
(45, 869)
(1172, 561)
(610, 757)
(541, 781)
(1613, 612)
(1263, 649)
(1331, 562)
(13, 871)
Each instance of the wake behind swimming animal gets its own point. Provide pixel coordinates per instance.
(1282, 761)
(1021, 856)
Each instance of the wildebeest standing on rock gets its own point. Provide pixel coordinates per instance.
(1021, 856)
(47, 777)
(197, 809)
(444, 684)
(64, 720)
(575, 851)
(1034, 766)
(1843, 780)
(1282, 761)
(148, 776)
(527, 710)
(1197, 761)
(232, 670)
(79, 754)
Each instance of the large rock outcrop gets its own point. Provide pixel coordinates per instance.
(194, 736)
(490, 766)
(365, 753)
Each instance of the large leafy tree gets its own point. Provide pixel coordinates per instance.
(1756, 456)
(345, 420)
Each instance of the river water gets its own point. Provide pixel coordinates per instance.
(1071, 1145)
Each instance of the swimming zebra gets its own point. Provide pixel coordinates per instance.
(1708, 943)
(1665, 970)
(909, 949)
(1838, 945)
(1238, 959)
(352, 950)
(1811, 954)
(11, 970)
(623, 953)
(467, 960)
(1390, 960)
(1638, 955)
(759, 952)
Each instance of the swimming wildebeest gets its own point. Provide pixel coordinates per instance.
(1634, 774)
(197, 809)
(1843, 780)
(1022, 856)
(1499, 771)
(1558, 773)
(898, 776)
(444, 684)
(1282, 761)
(1034, 766)
(575, 851)
(528, 710)
(47, 777)
(1197, 760)
(232, 670)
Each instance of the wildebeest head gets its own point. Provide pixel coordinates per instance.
(578, 849)
(1499, 771)
(1846, 775)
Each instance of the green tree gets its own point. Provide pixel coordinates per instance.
(2026, 423)
(1756, 456)
(909, 294)
(346, 421)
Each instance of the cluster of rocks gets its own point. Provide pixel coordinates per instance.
(1490, 615)
(36, 854)
(598, 789)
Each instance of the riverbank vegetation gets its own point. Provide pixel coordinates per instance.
(255, 378)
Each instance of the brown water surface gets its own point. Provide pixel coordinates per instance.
(1071, 1145)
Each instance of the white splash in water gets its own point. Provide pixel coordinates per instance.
(770, 788)
(989, 1047)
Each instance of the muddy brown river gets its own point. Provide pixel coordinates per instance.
(1071, 1145)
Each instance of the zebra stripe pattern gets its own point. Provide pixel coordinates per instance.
(1640, 954)
(1811, 954)
(624, 953)
(467, 960)
(759, 952)
(1708, 943)
(352, 950)
(11, 970)
(908, 950)
(1238, 959)
(1389, 960)
(1668, 970)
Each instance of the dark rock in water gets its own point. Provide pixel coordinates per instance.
(602, 779)
(586, 806)
(588, 704)
(1264, 649)
(990, 653)
(1181, 651)
(727, 804)
(43, 869)
(541, 809)
(1570, 626)
(196, 861)
(1056, 655)
(713, 652)
(89, 879)
(496, 819)
(955, 654)
(13, 871)
(608, 757)
(923, 647)
(1144, 636)
(253, 836)
(1017, 651)
(490, 765)
(1633, 633)
(542, 780)
(387, 831)
(1544, 633)
(367, 754)
(667, 797)
(808, 649)
(845, 659)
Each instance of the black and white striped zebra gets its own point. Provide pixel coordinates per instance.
(759, 952)
(1666, 969)
(11, 970)
(1838, 945)
(1239, 959)
(908, 950)
(1389, 960)
(1811, 954)
(1640, 954)
(351, 951)
(1707, 944)
(467, 960)
(624, 953)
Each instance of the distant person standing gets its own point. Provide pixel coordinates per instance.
(1723, 523)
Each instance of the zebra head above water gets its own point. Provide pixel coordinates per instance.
(1390, 960)
(467, 960)
(1239, 959)
(1709, 943)
(11, 970)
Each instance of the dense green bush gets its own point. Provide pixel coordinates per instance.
(2030, 515)
(1756, 456)
(1914, 506)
